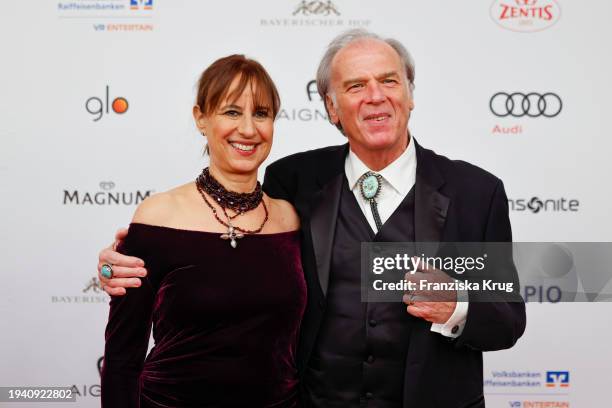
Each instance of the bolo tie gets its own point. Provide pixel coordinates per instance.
(370, 185)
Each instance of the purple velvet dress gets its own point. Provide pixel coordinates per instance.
(225, 322)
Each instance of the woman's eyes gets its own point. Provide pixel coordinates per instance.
(232, 113)
(260, 113)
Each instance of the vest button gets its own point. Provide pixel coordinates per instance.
(455, 329)
(370, 359)
(373, 322)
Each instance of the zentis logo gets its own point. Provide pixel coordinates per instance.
(525, 15)
(97, 106)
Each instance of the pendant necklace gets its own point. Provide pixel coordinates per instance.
(239, 203)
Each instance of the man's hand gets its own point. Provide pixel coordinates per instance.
(126, 269)
(435, 306)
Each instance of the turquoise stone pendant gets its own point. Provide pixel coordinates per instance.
(369, 185)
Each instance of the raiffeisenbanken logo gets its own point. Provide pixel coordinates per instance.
(141, 4)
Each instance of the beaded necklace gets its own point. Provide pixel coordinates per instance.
(240, 203)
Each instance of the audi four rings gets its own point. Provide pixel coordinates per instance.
(518, 104)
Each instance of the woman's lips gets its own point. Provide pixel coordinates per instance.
(244, 149)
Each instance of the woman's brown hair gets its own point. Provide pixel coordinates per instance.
(215, 81)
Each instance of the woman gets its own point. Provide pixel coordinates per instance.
(225, 291)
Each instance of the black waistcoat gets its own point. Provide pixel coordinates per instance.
(359, 357)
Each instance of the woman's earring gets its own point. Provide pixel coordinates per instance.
(206, 150)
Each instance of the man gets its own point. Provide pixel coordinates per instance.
(382, 187)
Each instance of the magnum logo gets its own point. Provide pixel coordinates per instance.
(105, 196)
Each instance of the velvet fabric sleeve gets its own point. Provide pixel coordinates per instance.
(127, 332)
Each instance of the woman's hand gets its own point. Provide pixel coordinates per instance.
(126, 269)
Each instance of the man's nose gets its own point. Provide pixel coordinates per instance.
(375, 93)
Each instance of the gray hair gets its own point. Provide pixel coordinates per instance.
(346, 38)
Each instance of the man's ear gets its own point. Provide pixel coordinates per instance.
(200, 119)
(331, 108)
(411, 103)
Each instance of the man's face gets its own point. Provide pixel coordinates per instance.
(372, 97)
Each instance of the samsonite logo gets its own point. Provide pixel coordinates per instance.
(525, 15)
(536, 205)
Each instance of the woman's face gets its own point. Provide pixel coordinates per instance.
(239, 133)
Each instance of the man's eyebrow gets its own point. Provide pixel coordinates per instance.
(378, 77)
(352, 81)
(387, 75)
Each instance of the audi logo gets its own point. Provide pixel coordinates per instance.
(518, 104)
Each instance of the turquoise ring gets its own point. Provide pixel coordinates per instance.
(107, 271)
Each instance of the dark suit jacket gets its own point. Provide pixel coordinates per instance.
(454, 202)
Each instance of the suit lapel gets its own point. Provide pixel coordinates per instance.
(324, 214)
(323, 227)
(430, 206)
(430, 211)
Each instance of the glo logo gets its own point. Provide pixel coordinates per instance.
(557, 378)
(98, 107)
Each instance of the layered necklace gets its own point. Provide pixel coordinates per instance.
(239, 203)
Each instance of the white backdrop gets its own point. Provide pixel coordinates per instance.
(61, 166)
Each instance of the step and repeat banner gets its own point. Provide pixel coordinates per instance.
(95, 115)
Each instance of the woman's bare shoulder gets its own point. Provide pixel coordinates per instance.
(162, 208)
(285, 216)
